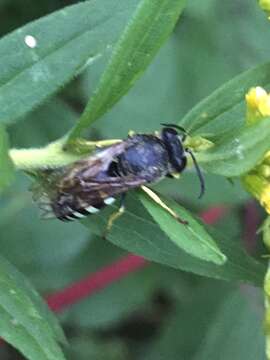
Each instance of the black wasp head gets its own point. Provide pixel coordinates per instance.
(174, 145)
(177, 153)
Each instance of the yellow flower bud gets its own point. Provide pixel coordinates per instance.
(266, 158)
(265, 5)
(255, 96)
(258, 104)
(264, 170)
(259, 187)
(265, 198)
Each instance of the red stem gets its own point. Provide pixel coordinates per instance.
(96, 281)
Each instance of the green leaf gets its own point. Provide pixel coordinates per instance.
(22, 323)
(239, 153)
(223, 110)
(41, 306)
(136, 232)
(147, 30)
(66, 42)
(192, 238)
(6, 167)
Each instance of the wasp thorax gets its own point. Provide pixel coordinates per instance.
(146, 156)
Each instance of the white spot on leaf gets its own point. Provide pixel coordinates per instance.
(30, 41)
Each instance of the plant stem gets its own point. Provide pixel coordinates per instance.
(55, 154)
(50, 156)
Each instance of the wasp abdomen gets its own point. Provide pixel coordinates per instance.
(72, 212)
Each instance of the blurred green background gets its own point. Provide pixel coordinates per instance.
(157, 313)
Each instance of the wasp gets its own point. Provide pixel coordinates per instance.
(88, 185)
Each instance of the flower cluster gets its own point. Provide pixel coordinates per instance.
(257, 181)
(258, 104)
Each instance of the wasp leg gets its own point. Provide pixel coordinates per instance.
(81, 146)
(131, 133)
(105, 143)
(115, 215)
(157, 200)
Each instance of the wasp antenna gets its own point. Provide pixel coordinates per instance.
(177, 127)
(199, 173)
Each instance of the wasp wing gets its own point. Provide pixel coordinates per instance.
(84, 186)
(91, 195)
(96, 163)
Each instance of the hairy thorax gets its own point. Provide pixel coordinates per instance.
(145, 156)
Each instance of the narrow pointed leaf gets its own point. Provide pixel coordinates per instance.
(239, 153)
(191, 237)
(24, 323)
(148, 28)
(223, 110)
(137, 232)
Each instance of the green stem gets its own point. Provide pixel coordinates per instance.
(55, 154)
(50, 156)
